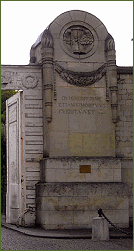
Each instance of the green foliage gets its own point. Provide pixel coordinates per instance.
(3, 143)
(4, 96)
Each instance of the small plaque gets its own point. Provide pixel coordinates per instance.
(85, 168)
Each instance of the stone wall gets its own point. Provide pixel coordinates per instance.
(124, 129)
(76, 134)
(33, 137)
(74, 205)
(124, 125)
(33, 147)
(81, 169)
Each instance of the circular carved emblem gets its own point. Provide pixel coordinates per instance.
(30, 82)
(78, 40)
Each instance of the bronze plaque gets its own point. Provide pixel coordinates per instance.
(85, 168)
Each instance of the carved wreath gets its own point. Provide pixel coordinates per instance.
(81, 78)
(30, 82)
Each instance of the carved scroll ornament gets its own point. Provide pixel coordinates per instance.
(81, 78)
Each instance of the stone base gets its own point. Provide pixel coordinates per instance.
(68, 169)
(74, 205)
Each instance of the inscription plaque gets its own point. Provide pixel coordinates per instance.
(85, 168)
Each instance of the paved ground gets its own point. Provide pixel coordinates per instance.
(13, 240)
(79, 233)
(21, 238)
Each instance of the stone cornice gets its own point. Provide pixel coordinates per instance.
(124, 70)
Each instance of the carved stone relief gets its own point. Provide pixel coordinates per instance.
(81, 78)
(109, 44)
(30, 82)
(78, 39)
(47, 39)
(6, 78)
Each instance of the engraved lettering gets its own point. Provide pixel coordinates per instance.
(87, 105)
(64, 98)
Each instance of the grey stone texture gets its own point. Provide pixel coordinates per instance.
(124, 126)
(43, 240)
(100, 229)
(75, 108)
(74, 205)
(67, 169)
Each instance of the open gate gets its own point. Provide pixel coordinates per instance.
(14, 157)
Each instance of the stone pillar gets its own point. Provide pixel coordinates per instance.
(112, 74)
(47, 72)
(100, 229)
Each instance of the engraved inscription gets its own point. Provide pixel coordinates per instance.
(81, 105)
(76, 111)
(81, 98)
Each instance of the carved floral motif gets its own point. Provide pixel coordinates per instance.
(81, 78)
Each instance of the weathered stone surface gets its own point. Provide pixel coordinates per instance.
(81, 206)
(85, 123)
(100, 230)
(75, 110)
(68, 170)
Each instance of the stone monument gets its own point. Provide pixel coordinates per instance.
(70, 124)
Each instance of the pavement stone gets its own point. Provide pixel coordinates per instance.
(12, 240)
(79, 233)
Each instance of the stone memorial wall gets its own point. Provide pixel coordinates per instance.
(75, 133)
